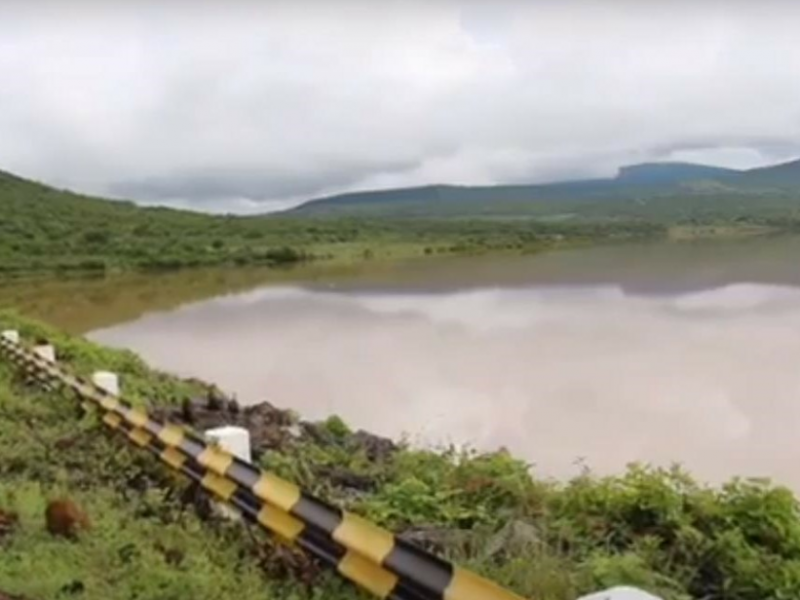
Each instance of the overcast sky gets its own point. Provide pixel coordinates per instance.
(259, 105)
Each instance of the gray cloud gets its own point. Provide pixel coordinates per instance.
(264, 104)
(211, 183)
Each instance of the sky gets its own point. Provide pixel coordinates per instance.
(255, 106)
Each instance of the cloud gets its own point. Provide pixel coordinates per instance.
(265, 104)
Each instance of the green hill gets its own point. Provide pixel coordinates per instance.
(786, 175)
(45, 229)
(669, 173)
(656, 191)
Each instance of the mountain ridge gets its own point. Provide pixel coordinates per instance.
(631, 181)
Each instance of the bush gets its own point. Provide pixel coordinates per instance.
(284, 256)
(97, 237)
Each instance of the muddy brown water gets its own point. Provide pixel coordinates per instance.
(598, 357)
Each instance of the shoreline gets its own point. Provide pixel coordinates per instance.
(359, 255)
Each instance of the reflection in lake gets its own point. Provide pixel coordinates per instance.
(556, 374)
(80, 305)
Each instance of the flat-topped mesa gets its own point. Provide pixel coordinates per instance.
(670, 173)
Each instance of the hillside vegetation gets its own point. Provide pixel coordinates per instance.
(674, 193)
(657, 529)
(44, 229)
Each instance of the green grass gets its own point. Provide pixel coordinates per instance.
(655, 528)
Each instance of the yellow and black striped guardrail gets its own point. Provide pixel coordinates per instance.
(369, 556)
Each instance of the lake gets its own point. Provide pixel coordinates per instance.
(590, 357)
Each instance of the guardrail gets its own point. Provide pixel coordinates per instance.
(367, 555)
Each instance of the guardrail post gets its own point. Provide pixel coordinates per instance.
(621, 593)
(235, 440)
(46, 351)
(106, 381)
(11, 335)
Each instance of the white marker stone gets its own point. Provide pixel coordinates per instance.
(107, 381)
(11, 335)
(46, 351)
(621, 593)
(235, 440)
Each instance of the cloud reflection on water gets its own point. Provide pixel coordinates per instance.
(556, 374)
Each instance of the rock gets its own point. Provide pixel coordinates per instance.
(621, 593)
(65, 518)
(215, 399)
(377, 448)
(270, 428)
(269, 413)
(187, 413)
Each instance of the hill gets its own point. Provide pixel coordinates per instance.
(786, 175)
(654, 191)
(670, 173)
(45, 229)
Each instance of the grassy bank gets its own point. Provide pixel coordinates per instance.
(552, 541)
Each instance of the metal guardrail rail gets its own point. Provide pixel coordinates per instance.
(367, 555)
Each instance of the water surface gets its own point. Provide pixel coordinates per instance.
(600, 356)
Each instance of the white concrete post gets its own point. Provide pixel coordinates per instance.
(106, 381)
(11, 335)
(621, 593)
(46, 351)
(235, 440)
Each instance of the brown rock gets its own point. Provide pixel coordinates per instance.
(377, 448)
(215, 399)
(187, 413)
(65, 518)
